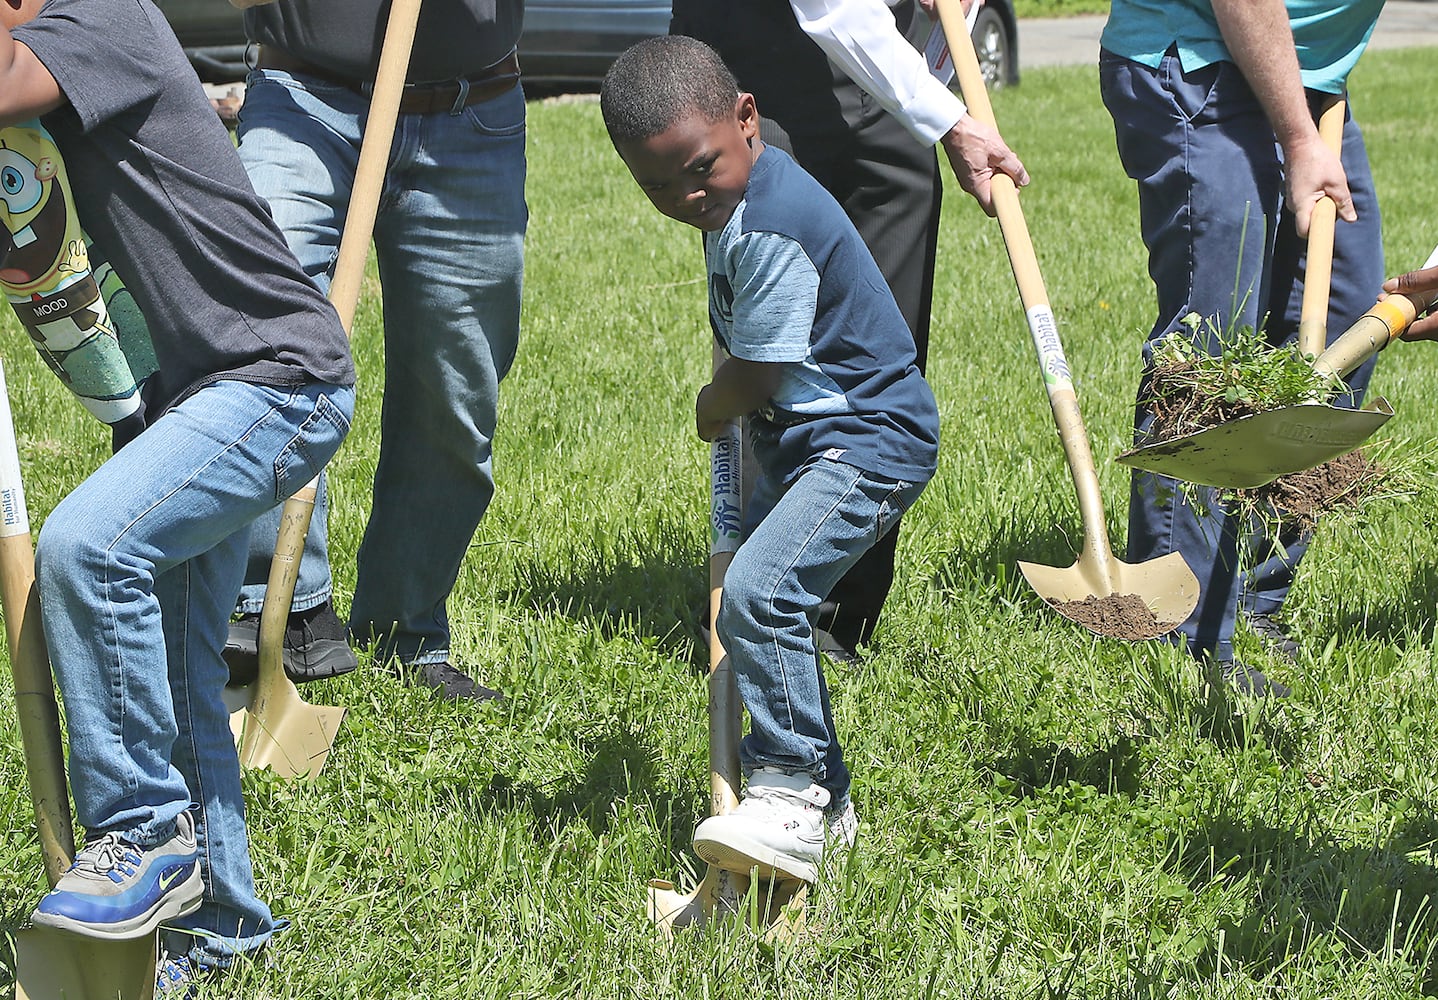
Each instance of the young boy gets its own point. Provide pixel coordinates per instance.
(138, 568)
(844, 427)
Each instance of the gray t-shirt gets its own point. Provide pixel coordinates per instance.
(158, 183)
(454, 38)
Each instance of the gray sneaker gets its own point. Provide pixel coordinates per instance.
(116, 890)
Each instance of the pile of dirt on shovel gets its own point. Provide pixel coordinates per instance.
(1183, 405)
(1304, 497)
(1119, 616)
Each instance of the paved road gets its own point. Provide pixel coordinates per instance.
(1065, 41)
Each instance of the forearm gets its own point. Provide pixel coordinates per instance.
(1260, 40)
(737, 388)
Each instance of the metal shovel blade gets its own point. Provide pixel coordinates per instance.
(1166, 586)
(778, 907)
(53, 965)
(282, 731)
(1255, 450)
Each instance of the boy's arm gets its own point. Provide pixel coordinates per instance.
(739, 387)
(27, 90)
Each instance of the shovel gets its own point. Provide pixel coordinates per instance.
(722, 893)
(1166, 586)
(276, 728)
(1254, 450)
(50, 964)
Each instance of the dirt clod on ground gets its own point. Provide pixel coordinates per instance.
(1343, 482)
(1120, 616)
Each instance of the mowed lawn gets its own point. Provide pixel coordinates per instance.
(1045, 813)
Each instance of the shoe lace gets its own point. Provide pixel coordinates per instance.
(109, 855)
(173, 976)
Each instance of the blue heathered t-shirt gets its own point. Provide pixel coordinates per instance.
(792, 283)
(1329, 35)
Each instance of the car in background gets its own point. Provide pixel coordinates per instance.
(566, 44)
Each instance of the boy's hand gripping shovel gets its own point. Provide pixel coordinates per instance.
(1254, 450)
(274, 727)
(50, 964)
(720, 893)
(1166, 585)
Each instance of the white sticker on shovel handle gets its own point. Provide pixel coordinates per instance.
(13, 518)
(1045, 331)
(726, 461)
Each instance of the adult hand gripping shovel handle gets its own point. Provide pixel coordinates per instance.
(1375, 329)
(1318, 260)
(293, 750)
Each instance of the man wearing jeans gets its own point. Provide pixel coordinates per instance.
(449, 238)
(1213, 106)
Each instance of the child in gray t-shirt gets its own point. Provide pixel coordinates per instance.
(139, 566)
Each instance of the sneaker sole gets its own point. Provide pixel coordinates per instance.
(743, 856)
(181, 901)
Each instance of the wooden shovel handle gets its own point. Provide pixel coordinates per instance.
(36, 709)
(726, 500)
(344, 295)
(1318, 269)
(1042, 327)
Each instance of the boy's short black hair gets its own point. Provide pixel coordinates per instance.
(661, 80)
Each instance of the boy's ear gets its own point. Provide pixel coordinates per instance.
(746, 112)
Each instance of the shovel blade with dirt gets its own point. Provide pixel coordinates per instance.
(1255, 450)
(50, 964)
(274, 727)
(775, 908)
(1099, 591)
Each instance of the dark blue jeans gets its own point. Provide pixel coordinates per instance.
(1221, 244)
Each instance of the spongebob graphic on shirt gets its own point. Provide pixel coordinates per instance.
(67, 296)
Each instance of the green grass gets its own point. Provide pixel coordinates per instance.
(1046, 814)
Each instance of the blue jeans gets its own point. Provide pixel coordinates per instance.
(450, 241)
(1222, 245)
(138, 570)
(798, 543)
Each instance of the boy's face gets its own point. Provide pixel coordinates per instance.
(697, 170)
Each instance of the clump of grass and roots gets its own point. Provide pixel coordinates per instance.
(1190, 390)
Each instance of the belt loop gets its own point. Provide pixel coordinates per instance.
(461, 100)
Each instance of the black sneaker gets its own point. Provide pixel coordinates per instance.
(1273, 635)
(1251, 681)
(446, 681)
(315, 647)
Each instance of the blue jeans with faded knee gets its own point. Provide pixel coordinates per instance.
(1221, 244)
(138, 570)
(449, 238)
(798, 542)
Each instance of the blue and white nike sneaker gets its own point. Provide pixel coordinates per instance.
(118, 891)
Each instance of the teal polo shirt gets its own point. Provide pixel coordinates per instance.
(1329, 35)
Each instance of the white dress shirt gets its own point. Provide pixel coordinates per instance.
(861, 38)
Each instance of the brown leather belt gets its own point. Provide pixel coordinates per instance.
(418, 98)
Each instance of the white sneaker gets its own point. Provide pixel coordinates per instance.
(843, 827)
(776, 831)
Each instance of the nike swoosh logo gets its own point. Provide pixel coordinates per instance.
(168, 880)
